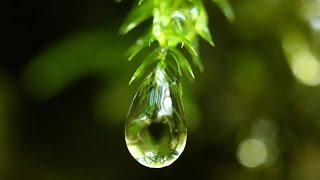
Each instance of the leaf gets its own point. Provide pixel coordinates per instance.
(140, 2)
(140, 44)
(137, 15)
(198, 5)
(153, 56)
(70, 59)
(178, 65)
(192, 48)
(226, 8)
(201, 25)
(204, 32)
(184, 64)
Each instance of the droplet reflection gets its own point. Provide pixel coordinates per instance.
(155, 129)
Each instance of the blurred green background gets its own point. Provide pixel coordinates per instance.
(253, 114)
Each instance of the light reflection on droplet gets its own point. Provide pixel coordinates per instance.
(167, 103)
(252, 153)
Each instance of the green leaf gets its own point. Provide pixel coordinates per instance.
(153, 56)
(204, 32)
(137, 15)
(181, 59)
(177, 63)
(140, 2)
(192, 48)
(201, 24)
(198, 5)
(70, 59)
(226, 8)
(140, 44)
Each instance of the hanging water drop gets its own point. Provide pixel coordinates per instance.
(155, 130)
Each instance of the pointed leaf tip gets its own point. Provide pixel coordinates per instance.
(140, 2)
(184, 64)
(136, 16)
(192, 48)
(204, 32)
(226, 8)
(152, 57)
(140, 44)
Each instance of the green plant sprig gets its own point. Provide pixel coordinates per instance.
(176, 24)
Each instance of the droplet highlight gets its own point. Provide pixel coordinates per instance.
(155, 130)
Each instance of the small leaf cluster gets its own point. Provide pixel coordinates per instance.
(176, 24)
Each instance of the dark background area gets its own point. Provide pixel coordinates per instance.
(64, 94)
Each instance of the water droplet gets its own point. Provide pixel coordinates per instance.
(155, 129)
